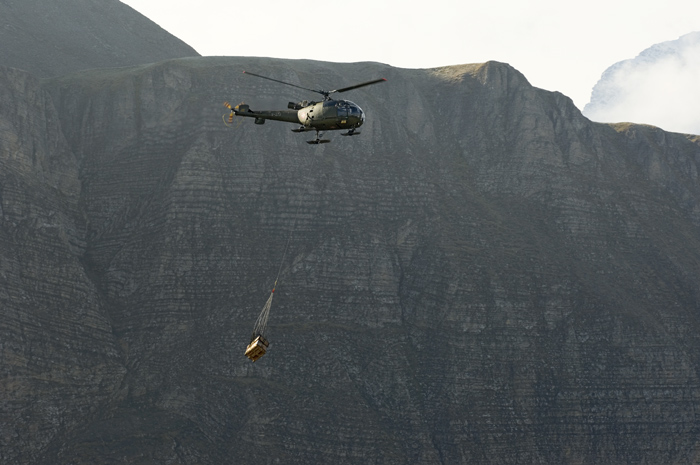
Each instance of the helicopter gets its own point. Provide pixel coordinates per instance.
(326, 115)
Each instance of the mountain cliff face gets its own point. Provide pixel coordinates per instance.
(49, 38)
(482, 276)
(58, 357)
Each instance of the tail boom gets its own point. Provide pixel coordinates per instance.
(287, 116)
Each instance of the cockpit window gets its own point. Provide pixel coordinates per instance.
(353, 109)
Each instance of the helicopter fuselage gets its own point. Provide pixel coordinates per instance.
(324, 116)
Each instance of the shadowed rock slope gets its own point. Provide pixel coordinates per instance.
(482, 276)
(50, 38)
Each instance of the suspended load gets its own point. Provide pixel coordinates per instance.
(258, 344)
(257, 348)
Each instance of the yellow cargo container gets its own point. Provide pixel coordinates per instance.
(257, 348)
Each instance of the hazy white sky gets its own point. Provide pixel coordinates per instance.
(557, 44)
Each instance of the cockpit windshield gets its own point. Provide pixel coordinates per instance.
(352, 107)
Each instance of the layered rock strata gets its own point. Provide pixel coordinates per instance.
(482, 276)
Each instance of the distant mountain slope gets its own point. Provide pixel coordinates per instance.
(657, 87)
(49, 38)
(482, 276)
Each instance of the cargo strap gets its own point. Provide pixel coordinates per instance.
(261, 322)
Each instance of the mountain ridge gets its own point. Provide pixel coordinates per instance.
(48, 39)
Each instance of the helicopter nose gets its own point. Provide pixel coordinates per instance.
(357, 116)
(357, 119)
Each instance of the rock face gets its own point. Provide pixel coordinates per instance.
(49, 38)
(482, 276)
(58, 357)
(659, 86)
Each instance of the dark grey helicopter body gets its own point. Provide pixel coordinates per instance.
(326, 115)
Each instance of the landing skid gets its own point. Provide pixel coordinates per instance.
(351, 132)
(318, 140)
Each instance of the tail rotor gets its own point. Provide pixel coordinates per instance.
(230, 116)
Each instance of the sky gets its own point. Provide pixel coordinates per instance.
(558, 45)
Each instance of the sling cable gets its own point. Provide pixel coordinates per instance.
(258, 343)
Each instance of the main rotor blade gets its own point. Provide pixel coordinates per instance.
(376, 81)
(287, 83)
